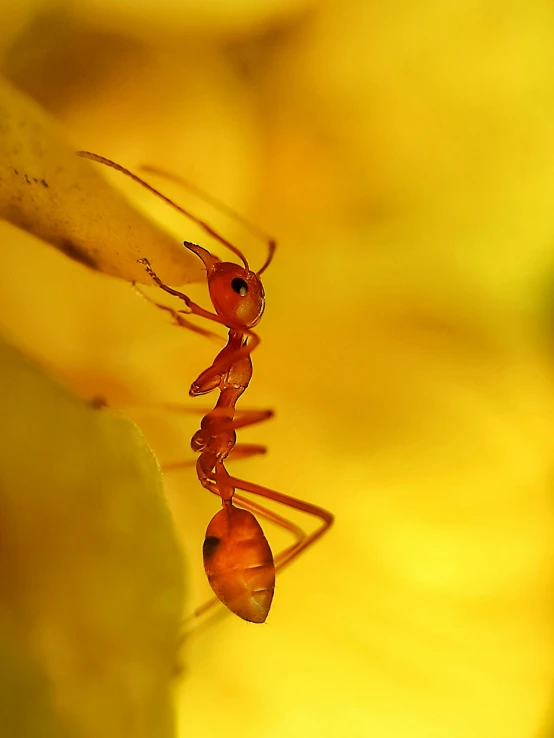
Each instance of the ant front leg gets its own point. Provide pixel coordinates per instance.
(177, 316)
(196, 309)
(219, 367)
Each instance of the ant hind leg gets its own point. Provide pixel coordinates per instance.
(257, 509)
(326, 518)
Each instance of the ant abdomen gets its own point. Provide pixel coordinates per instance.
(239, 563)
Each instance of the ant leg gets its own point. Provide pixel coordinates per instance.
(179, 320)
(193, 307)
(243, 451)
(285, 557)
(263, 512)
(246, 450)
(217, 368)
(242, 419)
(240, 451)
(325, 516)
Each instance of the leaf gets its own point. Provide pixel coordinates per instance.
(49, 191)
(90, 570)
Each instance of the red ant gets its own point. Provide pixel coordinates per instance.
(238, 561)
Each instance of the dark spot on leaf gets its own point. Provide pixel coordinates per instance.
(74, 252)
(211, 544)
(44, 183)
(98, 402)
(27, 179)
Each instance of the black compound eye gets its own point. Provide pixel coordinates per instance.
(240, 286)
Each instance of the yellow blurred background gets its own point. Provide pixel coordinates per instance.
(403, 156)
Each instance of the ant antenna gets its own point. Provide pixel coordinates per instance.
(203, 195)
(272, 245)
(208, 229)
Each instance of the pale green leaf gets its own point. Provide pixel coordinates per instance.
(90, 569)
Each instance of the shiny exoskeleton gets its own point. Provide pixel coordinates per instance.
(237, 557)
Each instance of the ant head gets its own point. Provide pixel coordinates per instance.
(237, 293)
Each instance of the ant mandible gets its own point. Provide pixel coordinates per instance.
(238, 561)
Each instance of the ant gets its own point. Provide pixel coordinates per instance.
(238, 561)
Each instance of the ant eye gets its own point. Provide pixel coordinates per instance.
(240, 286)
